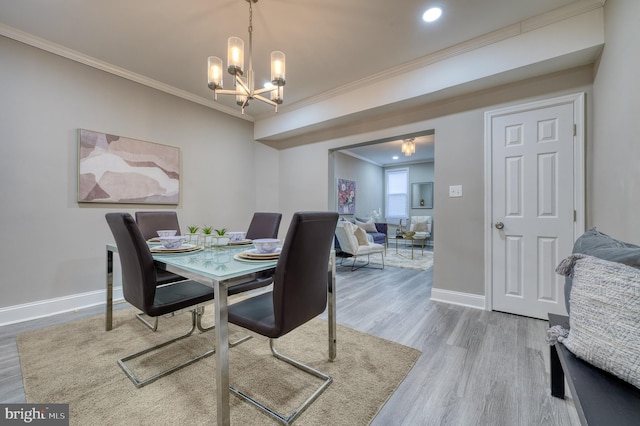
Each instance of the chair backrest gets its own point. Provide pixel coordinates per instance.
(138, 270)
(346, 238)
(300, 280)
(264, 225)
(150, 222)
(420, 219)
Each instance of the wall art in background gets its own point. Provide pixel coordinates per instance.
(346, 196)
(115, 169)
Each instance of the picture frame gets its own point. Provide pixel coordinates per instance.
(346, 196)
(116, 169)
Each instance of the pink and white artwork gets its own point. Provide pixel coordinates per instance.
(115, 169)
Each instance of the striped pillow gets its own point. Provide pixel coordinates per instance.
(605, 315)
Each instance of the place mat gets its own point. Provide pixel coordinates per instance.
(185, 248)
(253, 254)
(75, 363)
(238, 256)
(240, 243)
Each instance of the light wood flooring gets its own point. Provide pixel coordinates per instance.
(476, 367)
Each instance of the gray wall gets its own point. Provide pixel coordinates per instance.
(614, 156)
(459, 150)
(369, 180)
(45, 98)
(55, 246)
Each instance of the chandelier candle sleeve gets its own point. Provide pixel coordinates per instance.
(235, 56)
(215, 73)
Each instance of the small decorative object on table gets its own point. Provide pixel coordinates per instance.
(193, 237)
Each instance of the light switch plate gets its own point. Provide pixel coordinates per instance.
(455, 191)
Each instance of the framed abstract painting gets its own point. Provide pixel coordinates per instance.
(115, 169)
(346, 196)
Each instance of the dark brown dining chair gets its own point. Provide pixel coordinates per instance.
(152, 222)
(140, 289)
(149, 224)
(264, 225)
(299, 294)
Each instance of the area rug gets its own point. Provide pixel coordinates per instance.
(75, 363)
(402, 259)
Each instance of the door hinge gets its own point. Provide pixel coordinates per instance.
(575, 129)
(575, 216)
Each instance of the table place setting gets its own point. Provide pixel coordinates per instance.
(171, 243)
(266, 250)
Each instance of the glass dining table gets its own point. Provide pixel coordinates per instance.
(221, 269)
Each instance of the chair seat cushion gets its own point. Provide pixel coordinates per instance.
(255, 313)
(371, 248)
(180, 295)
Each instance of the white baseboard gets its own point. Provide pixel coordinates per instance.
(45, 308)
(456, 298)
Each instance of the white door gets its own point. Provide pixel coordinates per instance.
(533, 206)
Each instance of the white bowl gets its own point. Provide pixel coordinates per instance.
(172, 242)
(236, 235)
(166, 232)
(266, 245)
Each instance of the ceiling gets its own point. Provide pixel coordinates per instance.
(329, 44)
(387, 153)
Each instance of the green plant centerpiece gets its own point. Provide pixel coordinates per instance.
(193, 237)
(218, 237)
(206, 230)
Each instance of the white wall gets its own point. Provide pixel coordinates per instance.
(614, 156)
(55, 246)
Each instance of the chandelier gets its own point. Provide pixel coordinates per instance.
(243, 80)
(408, 147)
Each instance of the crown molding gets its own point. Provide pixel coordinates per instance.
(56, 49)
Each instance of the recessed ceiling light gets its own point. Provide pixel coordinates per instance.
(395, 157)
(432, 14)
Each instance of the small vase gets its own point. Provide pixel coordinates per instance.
(193, 239)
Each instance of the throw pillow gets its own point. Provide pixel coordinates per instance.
(361, 236)
(595, 243)
(605, 311)
(369, 226)
(420, 227)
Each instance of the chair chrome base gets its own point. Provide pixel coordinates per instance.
(195, 322)
(355, 267)
(272, 413)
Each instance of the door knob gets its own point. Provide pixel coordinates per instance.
(499, 225)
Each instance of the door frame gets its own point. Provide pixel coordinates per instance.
(578, 101)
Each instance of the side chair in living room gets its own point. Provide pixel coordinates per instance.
(140, 289)
(299, 294)
(353, 240)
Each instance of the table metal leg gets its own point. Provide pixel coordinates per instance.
(109, 308)
(331, 297)
(222, 353)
